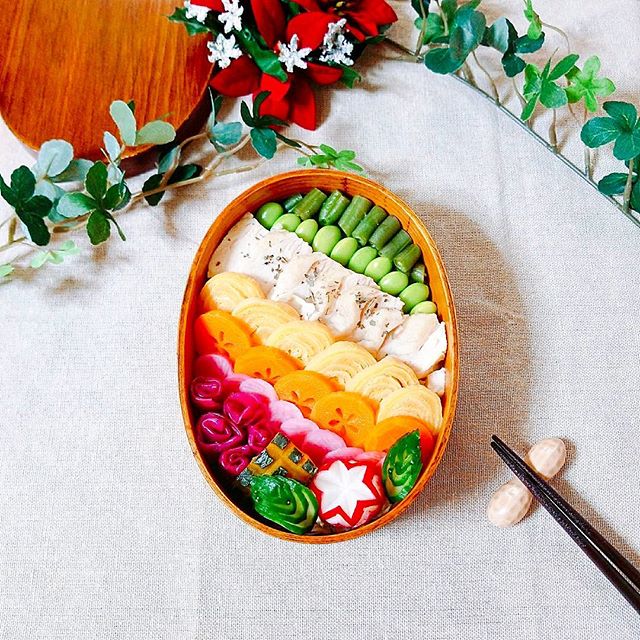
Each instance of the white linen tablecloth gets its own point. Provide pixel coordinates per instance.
(108, 529)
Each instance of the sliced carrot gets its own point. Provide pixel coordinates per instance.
(304, 389)
(219, 332)
(266, 363)
(348, 414)
(390, 430)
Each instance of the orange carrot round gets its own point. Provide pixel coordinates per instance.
(388, 431)
(304, 389)
(348, 414)
(219, 332)
(266, 363)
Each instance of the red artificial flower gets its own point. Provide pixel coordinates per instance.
(364, 17)
(292, 100)
(214, 5)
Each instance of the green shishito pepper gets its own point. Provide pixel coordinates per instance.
(402, 466)
(285, 502)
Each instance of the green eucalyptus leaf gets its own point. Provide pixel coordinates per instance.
(552, 96)
(96, 181)
(46, 188)
(98, 228)
(245, 114)
(434, 29)
(5, 270)
(525, 44)
(535, 24)
(8, 194)
(226, 133)
(153, 182)
(69, 247)
(532, 81)
(156, 132)
(264, 142)
(529, 108)
(73, 205)
(38, 205)
(497, 35)
(39, 259)
(599, 131)
(36, 228)
(440, 61)
(76, 171)
(613, 184)
(421, 7)
(634, 202)
(564, 66)
(54, 157)
(168, 159)
(114, 174)
(449, 8)
(123, 116)
(111, 146)
(627, 145)
(115, 195)
(23, 183)
(466, 32)
(624, 113)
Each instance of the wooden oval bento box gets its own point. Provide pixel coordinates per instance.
(278, 188)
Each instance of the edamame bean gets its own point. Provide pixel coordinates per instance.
(344, 250)
(326, 239)
(307, 230)
(414, 294)
(424, 307)
(394, 282)
(287, 221)
(378, 268)
(361, 259)
(268, 213)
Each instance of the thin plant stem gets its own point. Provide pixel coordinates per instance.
(627, 187)
(560, 32)
(553, 134)
(423, 28)
(588, 167)
(494, 88)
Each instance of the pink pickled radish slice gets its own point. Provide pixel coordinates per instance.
(214, 433)
(206, 393)
(246, 408)
(235, 460)
(212, 365)
(296, 429)
(348, 453)
(261, 387)
(283, 410)
(371, 456)
(232, 382)
(317, 443)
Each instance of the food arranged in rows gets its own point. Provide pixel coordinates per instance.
(359, 235)
(316, 432)
(315, 287)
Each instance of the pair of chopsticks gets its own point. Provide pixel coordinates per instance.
(616, 568)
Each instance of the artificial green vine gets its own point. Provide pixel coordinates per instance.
(449, 35)
(61, 194)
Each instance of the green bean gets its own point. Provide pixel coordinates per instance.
(353, 214)
(344, 250)
(418, 273)
(288, 221)
(396, 244)
(292, 201)
(332, 208)
(407, 258)
(414, 294)
(307, 230)
(268, 213)
(424, 307)
(310, 204)
(326, 239)
(369, 224)
(378, 268)
(361, 259)
(394, 282)
(387, 229)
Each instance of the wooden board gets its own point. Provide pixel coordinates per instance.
(63, 63)
(278, 188)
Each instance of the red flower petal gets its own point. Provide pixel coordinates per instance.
(321, 74)
(278, 102)
(369, 14)
(277, 89)
(216, 5)
(310, 28)
(270, 19)
(303, 104)
(240, 78)
(309, 5)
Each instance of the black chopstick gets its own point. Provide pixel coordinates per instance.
(616, 568)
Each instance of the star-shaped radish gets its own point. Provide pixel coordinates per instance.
(349, 492)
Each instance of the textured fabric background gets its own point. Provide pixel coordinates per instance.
(107, 528)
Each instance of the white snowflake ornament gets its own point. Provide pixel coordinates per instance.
(195, 11)
(292, 57)
(231, 16)
(223, 50)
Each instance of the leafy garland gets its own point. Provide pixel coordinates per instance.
(449, 35)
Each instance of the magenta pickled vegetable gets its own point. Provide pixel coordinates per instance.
(261, 387)
(283, 410)
(319, 442)
(215, 433)
(206, 393)
(246, 408)
(259, 435)
(236, 460)
(212, 365)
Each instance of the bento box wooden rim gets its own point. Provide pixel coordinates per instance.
(353, 184)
